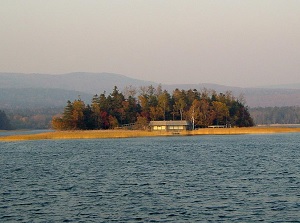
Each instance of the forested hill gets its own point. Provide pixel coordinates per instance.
(276, 115)
(30, 90)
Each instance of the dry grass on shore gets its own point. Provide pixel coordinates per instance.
(236, 131)
(97, 134)
(88, 134)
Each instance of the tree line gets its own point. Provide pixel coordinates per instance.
(117, 109)
(276, 115)
(32, 118)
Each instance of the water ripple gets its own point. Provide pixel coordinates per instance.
(246, 178)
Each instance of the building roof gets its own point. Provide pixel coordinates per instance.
(169, 123)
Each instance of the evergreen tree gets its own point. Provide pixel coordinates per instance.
(203, 109)
(4, 121)
(68, 116)
(96, 112)
(88, 118)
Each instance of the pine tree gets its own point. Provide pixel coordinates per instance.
(4, 121)
(68, 116)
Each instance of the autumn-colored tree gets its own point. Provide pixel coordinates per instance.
(201, 114)
(221, 111)
(113, 122)
(104, 120)
(206, 115)
(164, 103)
(203, 109)
(179, 106)
(156, 113)
(78, 115)
(141, 123)
(58, 123)
(180, 103)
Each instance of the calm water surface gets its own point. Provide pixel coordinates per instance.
(243, 178)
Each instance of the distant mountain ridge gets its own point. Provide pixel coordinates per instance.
(283, 86)
(11, 98)
(17, 89)
(79, 81)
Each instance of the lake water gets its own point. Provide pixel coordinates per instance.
(241, 178)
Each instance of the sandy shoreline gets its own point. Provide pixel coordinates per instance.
(98, 134)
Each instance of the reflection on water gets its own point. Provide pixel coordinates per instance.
(246, 178)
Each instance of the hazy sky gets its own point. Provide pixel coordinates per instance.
(230, 42)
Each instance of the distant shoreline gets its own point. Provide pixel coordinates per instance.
(106, 134)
